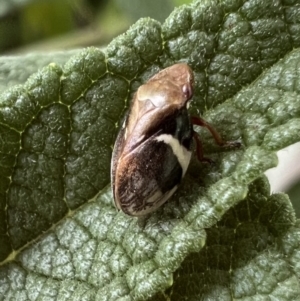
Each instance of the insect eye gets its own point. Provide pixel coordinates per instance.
(187, 91)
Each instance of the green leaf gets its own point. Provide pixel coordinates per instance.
(61, 237)
(252, 252)
(16, 69)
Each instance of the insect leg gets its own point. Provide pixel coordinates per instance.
(201, 122)
(199, 149)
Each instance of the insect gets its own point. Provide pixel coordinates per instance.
(154, 146)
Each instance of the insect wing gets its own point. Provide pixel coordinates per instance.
(146, 177)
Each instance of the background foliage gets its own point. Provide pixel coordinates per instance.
(222, 236)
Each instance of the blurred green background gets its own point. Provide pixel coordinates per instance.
(34, 33)
(49, 25)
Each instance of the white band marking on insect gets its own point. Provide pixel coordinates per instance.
(182, 154)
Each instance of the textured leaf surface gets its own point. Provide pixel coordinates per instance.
(60, 236)
(16, 69)
(249, 254)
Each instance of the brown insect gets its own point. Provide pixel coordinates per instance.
(153, 148)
